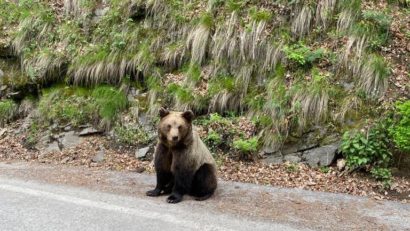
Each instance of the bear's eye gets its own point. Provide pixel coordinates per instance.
(179, 127)
(169, 126)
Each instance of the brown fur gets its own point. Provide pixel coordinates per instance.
(182, 161)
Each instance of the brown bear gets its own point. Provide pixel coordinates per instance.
(183, 163)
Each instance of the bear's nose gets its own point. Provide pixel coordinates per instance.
(175, 138)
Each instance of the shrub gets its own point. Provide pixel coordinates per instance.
(400, 129)
(8, 111)
(382, 174)
(213, 139)
(65, 105)
(247, 148)
(369, 150)
(303, 55)
(130, 136)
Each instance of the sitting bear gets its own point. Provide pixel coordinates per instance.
(183, 163)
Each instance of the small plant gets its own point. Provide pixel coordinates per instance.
(213, 138)
(130, 136)
(382, 174)
(324, 169)
(291, 168)
(303, 55)
(369, 148)
(246, 148)
(400, 129)
(8, 111)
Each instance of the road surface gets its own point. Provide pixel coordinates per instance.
(43, 197)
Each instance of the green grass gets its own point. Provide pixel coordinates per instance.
(8, 109)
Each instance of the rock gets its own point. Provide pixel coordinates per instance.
(322, 156)
(141, 153)
(2, 132)
(89, 131)
(65, 160)
(52, 147)
(269, 150)
(289, 149)
(70, 139)
(67, 128)
(341, 164)
(139, 170)
(293, 158)
(99, 156)
(273, 159)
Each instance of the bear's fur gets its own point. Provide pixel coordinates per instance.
(183, 163)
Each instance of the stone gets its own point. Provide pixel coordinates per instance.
(2, 132)
(67, 128)
(341, 164)
(99, 156)
(269, 150)
(293, 158)
(322, 156)
(141, 153)
(273, 159)
(52, 147)
(89, 131)
(70, 139)
(65, 160)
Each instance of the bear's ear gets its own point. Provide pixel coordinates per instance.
(188, 115)
(163, 112)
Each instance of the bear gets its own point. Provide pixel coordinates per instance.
(182, 162)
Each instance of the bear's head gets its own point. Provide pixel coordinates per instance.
(175, 127)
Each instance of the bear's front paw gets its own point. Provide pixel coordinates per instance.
(174, 198)
(154, 193)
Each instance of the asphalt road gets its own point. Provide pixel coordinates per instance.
(40, 197)
(34, 206)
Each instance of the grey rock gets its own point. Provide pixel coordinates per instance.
(67, 128)
(293, 158)
(52, 147)
(3, 88)
(142, 152)
(273, 159)
(288, 149)
(65, 160)
(341, 164)
(99, 156)
(269, 150)
(70, 139)
(2, 132)
(322, 156)
(89, 131)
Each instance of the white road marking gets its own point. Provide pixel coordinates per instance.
(106, 206)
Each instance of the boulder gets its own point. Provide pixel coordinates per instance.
(341, 164)
(322, 156)
(273, 159)
(70, 139)
(99, 156)
(142, 152)
(89, 131)
(293, 158)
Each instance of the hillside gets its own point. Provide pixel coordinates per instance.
(287, 81)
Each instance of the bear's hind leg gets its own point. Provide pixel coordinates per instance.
(204, 183)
